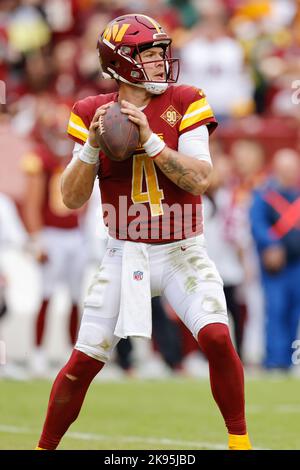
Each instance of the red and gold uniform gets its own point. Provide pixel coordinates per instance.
(54, 212)
(118, 303)
(177, 262)
(138, 181)
(59, 236)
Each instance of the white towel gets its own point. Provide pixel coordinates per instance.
(135, 317)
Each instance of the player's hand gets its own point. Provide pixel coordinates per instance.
(139, 118)
(92, 138)
(274, 258)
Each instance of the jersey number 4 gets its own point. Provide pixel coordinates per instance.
(143, 166)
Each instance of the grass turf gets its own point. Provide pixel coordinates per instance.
(170, 414)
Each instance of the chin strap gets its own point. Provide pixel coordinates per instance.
(155, 88)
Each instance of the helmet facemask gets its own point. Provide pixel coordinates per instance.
(138, 72)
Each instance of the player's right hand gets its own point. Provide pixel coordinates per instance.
(92, 138)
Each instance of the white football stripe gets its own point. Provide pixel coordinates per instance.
(79, 128)
(194, 113)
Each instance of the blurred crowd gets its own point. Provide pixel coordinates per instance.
(245, 55)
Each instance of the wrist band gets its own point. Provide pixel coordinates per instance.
(89, 154)
(154, 145)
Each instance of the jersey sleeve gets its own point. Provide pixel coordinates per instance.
(196, 111)
(82, 115)
(78, 124)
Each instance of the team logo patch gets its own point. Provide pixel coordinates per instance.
(171, 116)
(138, 275)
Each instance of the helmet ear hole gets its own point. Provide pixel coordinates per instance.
(125, 50)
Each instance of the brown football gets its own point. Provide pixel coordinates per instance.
(118, 136)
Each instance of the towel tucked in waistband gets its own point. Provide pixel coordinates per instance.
(135, 317)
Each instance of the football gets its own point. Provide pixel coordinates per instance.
(118, 136)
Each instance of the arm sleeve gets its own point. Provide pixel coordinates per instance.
(195, 144)
(76, 151)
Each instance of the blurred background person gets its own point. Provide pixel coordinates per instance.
(166, 342)
(12, 235)
(221, 233)
(275, 218)
(249, 170)
(56, 239)
(215, 61)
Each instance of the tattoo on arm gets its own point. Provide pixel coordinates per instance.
(185, 178)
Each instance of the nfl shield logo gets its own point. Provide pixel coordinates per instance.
(138, 275)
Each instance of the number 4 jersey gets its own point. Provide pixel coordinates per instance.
(139, 202)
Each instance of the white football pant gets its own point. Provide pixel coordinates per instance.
(180, 271)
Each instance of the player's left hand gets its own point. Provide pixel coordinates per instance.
(139, 118)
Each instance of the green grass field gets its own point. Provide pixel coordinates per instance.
(171, 414)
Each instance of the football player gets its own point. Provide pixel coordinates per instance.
(56, 239)
(156, 244)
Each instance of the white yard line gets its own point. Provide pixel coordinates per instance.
(125, 439)
(147, 440)
(284, 408)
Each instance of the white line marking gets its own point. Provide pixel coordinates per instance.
(147, 440)
(126, 439)
(284, 408)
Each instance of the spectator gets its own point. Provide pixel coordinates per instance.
(249, 172)
(12, 232)
(166, 337)
(56, 238)
(214, 61)
(221, 245)
(275, 217)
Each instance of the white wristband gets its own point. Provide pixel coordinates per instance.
(154, 145)
(89, 154)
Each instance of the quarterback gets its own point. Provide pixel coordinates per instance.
(152, 207)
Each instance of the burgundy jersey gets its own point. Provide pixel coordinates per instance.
(139, 202)
(54, 212)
